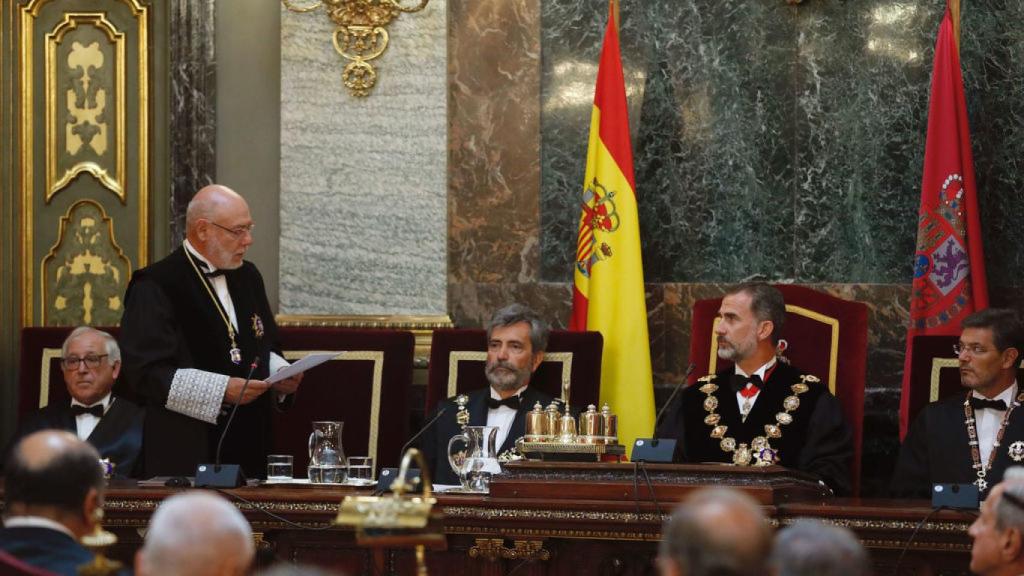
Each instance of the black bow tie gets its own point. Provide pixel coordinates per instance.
(981, 404)
(512, 402)
(739, 382)
(78, 410)
(206, 269)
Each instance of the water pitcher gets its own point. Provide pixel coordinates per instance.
(474, 458)
(327, 462)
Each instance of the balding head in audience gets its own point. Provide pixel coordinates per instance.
(196, 534)
(715, 532)
(812, 548)
(52, 474)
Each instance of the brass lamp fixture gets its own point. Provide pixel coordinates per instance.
(396, 520)
(360, 34)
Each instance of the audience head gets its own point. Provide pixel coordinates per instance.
(196, 533)
(998, 531)
(219, 226)
(516, 339)
(750, 324)
(715, 532)
(813, 548)
(989, 350)
(54, 475)
(91, 361)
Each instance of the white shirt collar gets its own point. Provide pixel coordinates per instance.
(1006, 396)
(105, 402)
(37, 522)
(759, 372)
(192, 250)
(496, 396)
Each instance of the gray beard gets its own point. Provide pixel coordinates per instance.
(505, 381)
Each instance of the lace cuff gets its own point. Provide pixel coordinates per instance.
(197, 393)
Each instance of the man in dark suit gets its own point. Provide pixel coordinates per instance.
(53, 490)
(974, 436)
(91, 361)
(760, 411)
(516, 340)
(194, 324)
(997, 547)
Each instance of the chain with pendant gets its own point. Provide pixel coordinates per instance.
(972, 434)
(760, 451)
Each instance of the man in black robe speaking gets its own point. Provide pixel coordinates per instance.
(194, 323)
(760, 411)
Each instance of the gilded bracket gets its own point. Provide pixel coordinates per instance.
(493, 549)
(360, 34)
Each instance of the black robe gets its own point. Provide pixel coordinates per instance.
(818, 441)
(45, 548)
(117, 436)
(171, 322)
(434, 442)
(936, 450)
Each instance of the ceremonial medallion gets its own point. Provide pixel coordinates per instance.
(236, 356)
(742, 456)
(708, 388)
(257, 326)
(712, 419)
(710, 403)
(1016, 451)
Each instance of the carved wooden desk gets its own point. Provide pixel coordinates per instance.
(553, 523)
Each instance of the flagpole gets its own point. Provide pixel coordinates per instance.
(954, 12)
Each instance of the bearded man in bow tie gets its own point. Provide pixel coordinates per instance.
(760, 411)
(972, 437)
(516, 340)
(90, 363)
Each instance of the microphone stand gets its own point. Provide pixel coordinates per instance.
(411, 476)
(217, 475)
(659, 449)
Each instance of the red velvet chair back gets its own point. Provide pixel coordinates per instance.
(366, 386)
(40, 379)
(826, 337)
(934, 371)
(571, 362)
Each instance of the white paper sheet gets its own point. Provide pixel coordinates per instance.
(314, 359)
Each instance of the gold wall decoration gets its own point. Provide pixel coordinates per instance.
(85, 102)
(86, 272)
(83, 107)
(360, 34)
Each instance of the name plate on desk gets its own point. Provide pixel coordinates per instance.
(617, 481)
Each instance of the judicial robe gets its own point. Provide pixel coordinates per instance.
(171, 322)
(117, 436)
(434, 442)
(936, 450)
(818, 441)
(45, 548)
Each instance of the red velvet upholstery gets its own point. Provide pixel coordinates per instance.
(40, 356)
(11, 566)
(577, 352)
(343, 389)
(827, 337)
(934, 371)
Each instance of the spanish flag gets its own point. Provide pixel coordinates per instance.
(608, 287)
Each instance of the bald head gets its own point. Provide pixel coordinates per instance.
(215, 534)
(219, 226)
(717, 531)
(55, 475)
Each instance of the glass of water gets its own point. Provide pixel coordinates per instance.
(327, 473)
(279, 468)
(360, 470)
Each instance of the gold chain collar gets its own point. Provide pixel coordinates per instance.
(760, 451)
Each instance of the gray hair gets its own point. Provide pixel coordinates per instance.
(811, 547)
(716, 532)
(767, 303)
(516, 313)
(1010, 511)
(194, 534)
(109, 342)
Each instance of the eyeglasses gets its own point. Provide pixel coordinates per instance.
(237, 231)
(973, 349)
(73, 362)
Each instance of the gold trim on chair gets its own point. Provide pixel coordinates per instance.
(375, 356)
(833, 357)
(937, 365)
(454, 357)
(44, 375)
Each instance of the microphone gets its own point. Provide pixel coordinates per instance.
(657, 419)
(659, 449)
(228, 475)
(387, 474)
